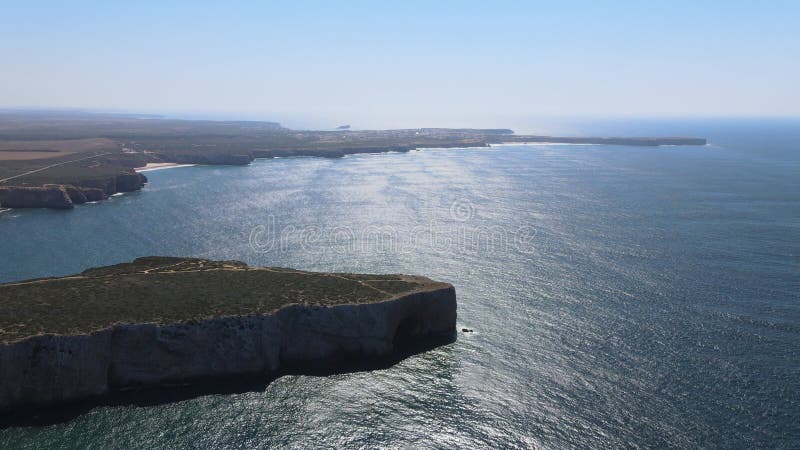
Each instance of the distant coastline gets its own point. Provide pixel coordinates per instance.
(95, 159)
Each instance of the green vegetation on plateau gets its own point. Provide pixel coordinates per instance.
(173, 290)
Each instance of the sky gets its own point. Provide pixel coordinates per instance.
(385, 64)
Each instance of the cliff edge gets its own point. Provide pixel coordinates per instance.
(160, 320)
(66, 196)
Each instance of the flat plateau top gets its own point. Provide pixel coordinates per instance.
(172, 290)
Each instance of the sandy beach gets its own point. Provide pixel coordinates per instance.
(159, 166)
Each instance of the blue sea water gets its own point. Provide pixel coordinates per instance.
(620, 296)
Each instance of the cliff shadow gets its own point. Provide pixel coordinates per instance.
(405, 346)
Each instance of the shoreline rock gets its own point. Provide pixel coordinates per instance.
(48, 196)
(66, 196)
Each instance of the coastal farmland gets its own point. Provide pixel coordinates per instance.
(46, 149)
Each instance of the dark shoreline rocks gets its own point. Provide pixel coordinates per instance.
(93, 194)
(65, 196)
(129, 182)
(76, 195)
(50, 196)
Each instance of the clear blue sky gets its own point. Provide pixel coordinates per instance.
(404, 63)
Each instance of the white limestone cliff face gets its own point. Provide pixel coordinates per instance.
(49, 369)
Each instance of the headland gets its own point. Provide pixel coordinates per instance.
(162, 320)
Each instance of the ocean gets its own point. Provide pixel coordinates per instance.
(619, 296)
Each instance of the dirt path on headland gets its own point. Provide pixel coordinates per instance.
(51, 166)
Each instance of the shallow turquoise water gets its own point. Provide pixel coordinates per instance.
(620, 296)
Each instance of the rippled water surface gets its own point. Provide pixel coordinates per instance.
(619, 295)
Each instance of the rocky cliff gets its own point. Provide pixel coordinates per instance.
(281, 322)
(35, 197)
(65, 196)
(126, 181)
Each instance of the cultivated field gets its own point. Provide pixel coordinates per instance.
(35, 149)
